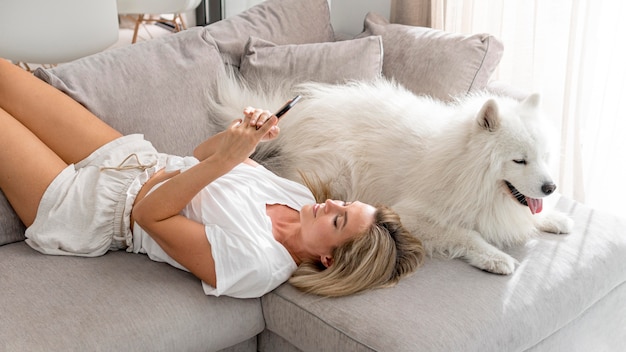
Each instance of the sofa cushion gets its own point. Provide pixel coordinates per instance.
(278, 21)
(116, 302)
(330, 62)
(11, 228)
(448, 305)
(157, 87)
(434, 62)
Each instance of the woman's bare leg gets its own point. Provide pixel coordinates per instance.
(27, 166)
(65, 126)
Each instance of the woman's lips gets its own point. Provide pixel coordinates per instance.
(315, 208)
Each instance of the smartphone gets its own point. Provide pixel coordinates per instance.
(283, 109)
(288, 105)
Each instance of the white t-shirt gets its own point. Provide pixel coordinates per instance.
(249, 262)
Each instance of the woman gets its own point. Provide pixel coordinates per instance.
(82, 188)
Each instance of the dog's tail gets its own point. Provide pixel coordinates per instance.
(233, 93)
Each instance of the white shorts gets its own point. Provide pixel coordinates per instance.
(86, 209)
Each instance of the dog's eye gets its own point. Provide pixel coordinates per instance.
(520, 161)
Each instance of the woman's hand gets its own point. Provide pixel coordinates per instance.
(240, 139)
(253, 118)
(258, 118)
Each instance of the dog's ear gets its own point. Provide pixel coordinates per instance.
(531, 102)
(488, 117)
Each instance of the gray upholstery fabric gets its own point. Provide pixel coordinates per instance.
(434, 62)
(267, 341)
(448, 305)
(247, 346)
(602, 327)
(117, 302)
(11, 228)
(157, 88)
(330, 62)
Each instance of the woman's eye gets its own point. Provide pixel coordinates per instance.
(335, 221)
(520, 161)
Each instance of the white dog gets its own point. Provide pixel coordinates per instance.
(467, 177)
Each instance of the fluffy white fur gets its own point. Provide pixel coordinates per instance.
(441, 166)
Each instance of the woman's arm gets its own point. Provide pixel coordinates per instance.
(158, 213)
(207, 148)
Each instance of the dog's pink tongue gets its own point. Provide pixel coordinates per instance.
(535, 205)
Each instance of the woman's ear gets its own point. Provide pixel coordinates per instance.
(326, 260)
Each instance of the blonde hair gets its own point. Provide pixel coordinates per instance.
(380, 257)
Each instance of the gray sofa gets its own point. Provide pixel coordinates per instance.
(567, 294)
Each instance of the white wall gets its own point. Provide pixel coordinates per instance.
(347, 15)
(233, 7)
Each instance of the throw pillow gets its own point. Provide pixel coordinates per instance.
(331, 62)
(278, 21)
(157, 87)
(434, 62)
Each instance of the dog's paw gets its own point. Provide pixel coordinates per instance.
(496, 262)
(555, 222)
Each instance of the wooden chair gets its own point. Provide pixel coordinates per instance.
(149, 11)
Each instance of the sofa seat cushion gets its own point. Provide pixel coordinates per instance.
(117, 302)
(447, 305)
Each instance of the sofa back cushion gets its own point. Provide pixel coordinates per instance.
(277, 21)
(329, 62)
(433, 62)
(156, 87)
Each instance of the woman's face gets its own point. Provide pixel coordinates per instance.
(329, 225)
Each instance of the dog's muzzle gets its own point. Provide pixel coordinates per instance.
(534, 204)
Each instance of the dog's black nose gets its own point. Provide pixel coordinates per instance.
(548, 188)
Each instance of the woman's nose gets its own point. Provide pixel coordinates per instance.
(332, 204)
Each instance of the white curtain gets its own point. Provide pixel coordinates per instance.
(574, 54)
